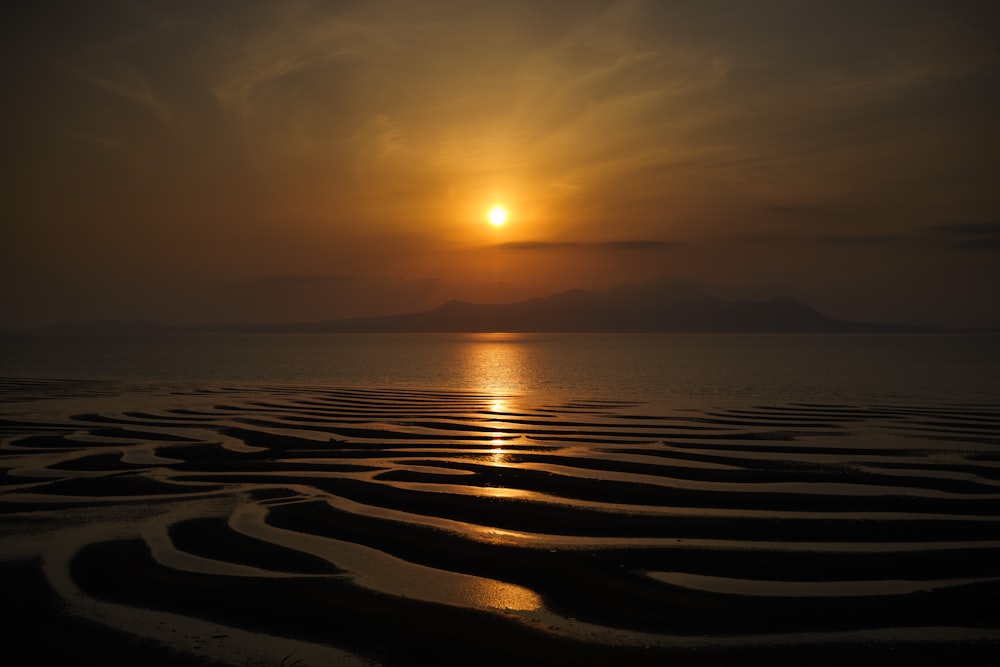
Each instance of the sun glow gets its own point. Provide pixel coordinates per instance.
(497, 216)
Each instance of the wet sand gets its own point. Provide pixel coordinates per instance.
(312, 525)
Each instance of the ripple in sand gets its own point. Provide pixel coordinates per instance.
(587, 530)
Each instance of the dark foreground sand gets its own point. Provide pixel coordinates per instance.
(289, 526)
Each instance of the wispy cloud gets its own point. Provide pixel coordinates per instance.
(637, 245)
(292, 279)
(969, 229)
(536, 245)
(627, 245)
(127, 83)
(972, 235)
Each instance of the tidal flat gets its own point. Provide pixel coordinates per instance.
(199, 523)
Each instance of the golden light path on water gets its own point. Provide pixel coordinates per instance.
(494, 364)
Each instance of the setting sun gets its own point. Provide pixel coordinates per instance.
(497, 216)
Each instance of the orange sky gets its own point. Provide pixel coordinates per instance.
(211, 162)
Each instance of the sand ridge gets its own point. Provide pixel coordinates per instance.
(408, 526)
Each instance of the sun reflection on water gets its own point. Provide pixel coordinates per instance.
(497, 365)
(498, 455)
(490, 594)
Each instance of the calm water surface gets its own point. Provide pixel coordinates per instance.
(632, 366)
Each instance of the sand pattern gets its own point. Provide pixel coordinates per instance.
(318, 525)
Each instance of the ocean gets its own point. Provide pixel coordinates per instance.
(501, 498)
(648, 367)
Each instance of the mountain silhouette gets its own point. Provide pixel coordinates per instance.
(661, 305)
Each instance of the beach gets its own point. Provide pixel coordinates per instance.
(284, 524)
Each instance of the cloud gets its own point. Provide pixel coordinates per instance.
(536, 245)
(292, 279)
(860, 239)
(973, 235)
(126, 83)
(959, 235)
(819, 239)
(636, 244)
(970, 229)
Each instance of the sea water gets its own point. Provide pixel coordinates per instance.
(774, 367)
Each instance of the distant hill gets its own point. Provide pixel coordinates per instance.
(662, 305)
(101, 328)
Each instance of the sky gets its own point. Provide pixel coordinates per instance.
(227, 161)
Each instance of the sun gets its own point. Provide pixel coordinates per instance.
(497, 216)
